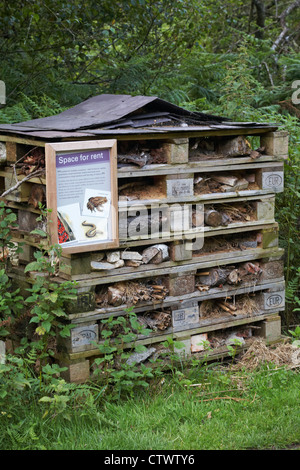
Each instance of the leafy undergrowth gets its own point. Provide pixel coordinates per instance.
(241, 405)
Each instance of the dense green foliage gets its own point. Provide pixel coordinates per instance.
(236, 58)
(239, 59)
(200, 409)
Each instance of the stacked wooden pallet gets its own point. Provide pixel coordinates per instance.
(198, 257)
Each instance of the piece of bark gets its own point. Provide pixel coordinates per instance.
(37, 196)
(227, 180)
(241, 184)
(137, 358)
(216, 277)
(254, 154)
(250, 177)
(149, 253)
(115, 296)
(132, 263)
(131, 255)
(225, 219)
(139, 160)
(156, 320)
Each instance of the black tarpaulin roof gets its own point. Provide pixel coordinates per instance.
(108, 113)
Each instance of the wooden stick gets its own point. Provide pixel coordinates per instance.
(34, 174)
(227, 309)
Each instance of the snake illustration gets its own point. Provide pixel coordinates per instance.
(92, 231)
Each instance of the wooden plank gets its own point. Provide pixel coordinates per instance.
(276, 143)
(172, 267)
(214, 293)
(181, 335)
(201, 166)
(205, 198)
(82, 336)
(190, 234)
(8, 172)
(22, 140)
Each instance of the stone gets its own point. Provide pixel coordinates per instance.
(137, 358)
(120, 263)
(102, 266)
(113, 256)
(198, 342)
(82, 336)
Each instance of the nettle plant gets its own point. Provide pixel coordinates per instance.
(114, 369)
(11, 303)
(47, 298)
(121, 368)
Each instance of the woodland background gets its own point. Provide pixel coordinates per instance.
(235, 58)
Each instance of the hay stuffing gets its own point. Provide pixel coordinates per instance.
(258, 354)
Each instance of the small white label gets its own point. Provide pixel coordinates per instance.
(274, 300)
(180, 187)
(84, 335)
(273, 180)
(185, 316)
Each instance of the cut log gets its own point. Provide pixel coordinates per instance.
(249, 268)
(212, 218)
(216, 277)
(233, 277)
(155, 254)
(149, 253)
(162, 254)
(234, 147)
(197, 218)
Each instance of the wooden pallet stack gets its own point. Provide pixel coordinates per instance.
(202, 290)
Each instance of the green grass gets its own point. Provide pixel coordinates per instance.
(261, 413)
